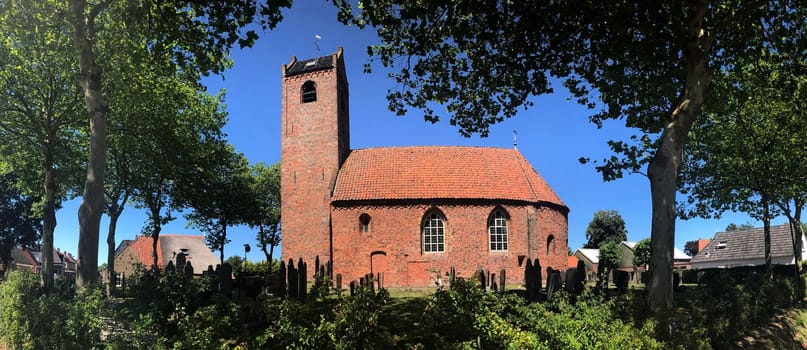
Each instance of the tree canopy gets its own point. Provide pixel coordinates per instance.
(19, 226)
(198, 37)
(641, 252)
(606, 226)
(650, 64)
(40, 115)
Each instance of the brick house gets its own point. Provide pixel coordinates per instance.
(408, 214)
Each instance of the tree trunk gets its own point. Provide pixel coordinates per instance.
(92, 204)
(665, 165)
(155, 236)
(114, 214)
(223, 239)
(49, 219)
(766, 227)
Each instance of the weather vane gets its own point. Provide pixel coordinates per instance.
(316, 41)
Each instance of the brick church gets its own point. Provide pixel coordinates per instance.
(408, 214)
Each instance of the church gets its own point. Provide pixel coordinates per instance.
(406, 214)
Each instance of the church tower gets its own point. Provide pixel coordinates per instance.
(315, 142)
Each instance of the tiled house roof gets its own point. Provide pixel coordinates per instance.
(23, 257)
(441, 172)
(141, 246)
(745, 247)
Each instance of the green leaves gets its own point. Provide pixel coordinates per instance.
(606, 226)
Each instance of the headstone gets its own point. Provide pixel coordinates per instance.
(502, 280)
(338, 281)
(621, 279)
(281, 280)
(352, 288)
(482, 280)
(493, 285)
(580, 276)
(570, 280)
(292, 280)
(538, 278)
(553, 283)
(226, 280)
(170, 267)
(181, 260)
(452, 275)
(302, 279)
(187, 270)
(529, 282)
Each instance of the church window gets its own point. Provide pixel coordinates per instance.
(364, 222)
(497, 231)
(309, 92)
(433, 232)
(550, 244)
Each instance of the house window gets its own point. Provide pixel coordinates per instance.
(433, 232)
(119, 279)
(364, 222)
(309, 92)
(497, 231)
(550, 245)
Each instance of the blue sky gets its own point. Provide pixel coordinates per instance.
(552, 135)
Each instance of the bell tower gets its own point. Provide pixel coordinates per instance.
(315, 140)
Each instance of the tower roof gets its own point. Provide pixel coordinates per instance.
(441, 172)
(311, 65)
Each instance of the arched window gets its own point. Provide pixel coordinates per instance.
(433, 232)
(550, 244)
(497, 231)
(364, 222)
(309, 92)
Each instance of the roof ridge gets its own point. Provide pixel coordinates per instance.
(428, 146)
(516, 153)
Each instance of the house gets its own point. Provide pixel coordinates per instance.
(626, 249)
(64, 265)
(404, 214)
(591, 258)
(131, 253)
(746, 247)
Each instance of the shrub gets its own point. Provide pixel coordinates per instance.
(58, 319)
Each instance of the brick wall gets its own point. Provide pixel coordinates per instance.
(315, 141)
(395, 230)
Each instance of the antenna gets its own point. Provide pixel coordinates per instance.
(515, 139)
(316, 41)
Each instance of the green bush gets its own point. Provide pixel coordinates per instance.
(59, 319)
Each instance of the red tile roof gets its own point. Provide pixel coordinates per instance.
(571, 261)
(441, 172)
(142, 248)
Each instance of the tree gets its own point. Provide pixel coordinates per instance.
(642, 252)
(691, 248)
(750, 150)
(184, 135)
(733, 227)
(20, 226)
(266, 218)
(608, 261)
(606, 226)
(197, 34)
(650, 64)
(40, 114)
(219, 195)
